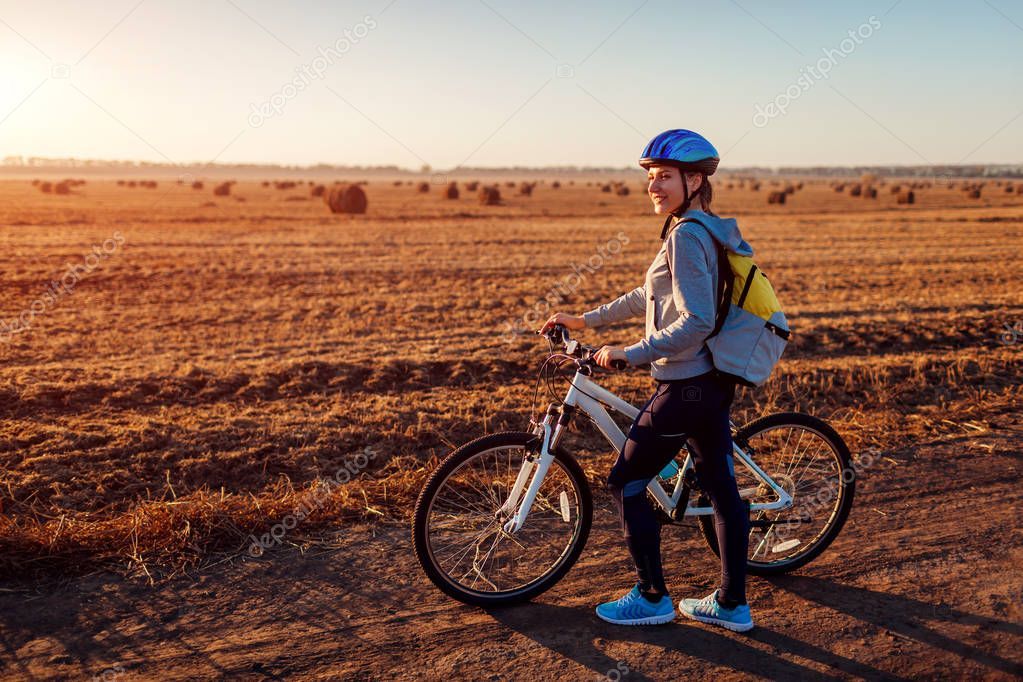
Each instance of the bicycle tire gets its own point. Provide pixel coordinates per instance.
(420, 529)
(847, 489)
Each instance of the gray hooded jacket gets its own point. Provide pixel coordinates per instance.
(678, 298)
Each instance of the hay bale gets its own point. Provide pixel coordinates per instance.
(284, 184)
(398, 183)
(120, 183)
(345, 199)
(1009, 189)
(472, 186)
(622, 191)
(222, 190)
(451, 191)
(46, 187)
(63, 187)
(973, 193)
(906, 197)
(423, 187)
(555, 185)
(776, 197)
(605, 188)
(197, 185)
(317, 190)
(789, 189)
(896, 189)
(510, 184)
(526, 188)
(1019, 189)
(870, 193)
(840, 187)
(132, 183)
(754, 186)
(489, 196)
(35, 183)
(856, 190)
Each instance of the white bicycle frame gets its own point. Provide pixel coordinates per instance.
(595, 401)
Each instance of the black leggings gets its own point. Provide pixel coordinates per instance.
(695, 409)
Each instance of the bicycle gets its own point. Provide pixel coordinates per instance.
(505, 516)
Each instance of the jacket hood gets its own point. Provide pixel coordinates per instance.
(724, 230)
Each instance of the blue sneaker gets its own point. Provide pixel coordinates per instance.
(634, 609)
(707, 610)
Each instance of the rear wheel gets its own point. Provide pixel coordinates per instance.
(807, 458)
(459, 534)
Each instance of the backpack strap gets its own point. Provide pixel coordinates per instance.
(725, 281)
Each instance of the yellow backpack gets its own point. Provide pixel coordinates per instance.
(750, 330)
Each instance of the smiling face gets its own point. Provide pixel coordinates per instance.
(664, 185)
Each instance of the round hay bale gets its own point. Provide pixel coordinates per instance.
(265, 183)
(398, 183)
(789, 189)
(622, 191)
(317, 190)
(46, 187)
(120, 183)
(63, 187)
(973, 193)
(346, 199)
(896, 189)
(489, 196)
(423, 188)
(754, 186)
(132, 183)
(856, 190)
(451, 191)
(222, 190)
(870, 193)
(197, 185)
(526, 188)
(906, 197)
(472, 186)
(555, 185)
(776, 197)
(605, 188)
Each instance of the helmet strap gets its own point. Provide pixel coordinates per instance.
(683, 207)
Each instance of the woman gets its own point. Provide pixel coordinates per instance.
(679, 299)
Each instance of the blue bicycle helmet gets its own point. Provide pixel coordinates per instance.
(683, 149)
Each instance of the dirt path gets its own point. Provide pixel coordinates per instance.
(923, 582)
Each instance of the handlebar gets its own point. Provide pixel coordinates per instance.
(558, 335)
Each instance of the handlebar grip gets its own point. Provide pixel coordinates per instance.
(619, 364)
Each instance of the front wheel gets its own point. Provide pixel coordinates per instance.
(459, 535)
(811, 462)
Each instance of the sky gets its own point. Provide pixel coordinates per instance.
(494, 83)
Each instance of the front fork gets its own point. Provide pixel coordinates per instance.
(537, 464)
